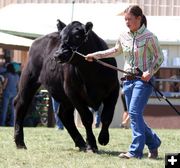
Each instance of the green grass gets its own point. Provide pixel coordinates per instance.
(49, 148)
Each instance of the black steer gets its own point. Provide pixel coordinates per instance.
(71, 80)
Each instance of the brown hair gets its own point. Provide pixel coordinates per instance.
(137, 11)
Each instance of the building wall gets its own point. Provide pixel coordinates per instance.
(20, 57)
(173, 52)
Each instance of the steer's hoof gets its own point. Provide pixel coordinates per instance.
(103, 138)
(21, 145)
(90, 149)
(82, 149)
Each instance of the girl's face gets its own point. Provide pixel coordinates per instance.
(132, 22)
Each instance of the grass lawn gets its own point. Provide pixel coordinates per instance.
(49, 148)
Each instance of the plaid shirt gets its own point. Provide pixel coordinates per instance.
(141, 49)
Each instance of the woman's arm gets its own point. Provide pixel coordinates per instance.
(112, 52)
(158, 57)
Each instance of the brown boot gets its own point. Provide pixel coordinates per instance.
(153, 154)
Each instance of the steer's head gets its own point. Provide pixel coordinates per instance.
(72, 37)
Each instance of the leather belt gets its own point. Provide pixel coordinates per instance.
(128, 77)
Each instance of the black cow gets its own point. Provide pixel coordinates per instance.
(71, 80)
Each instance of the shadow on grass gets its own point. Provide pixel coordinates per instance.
(100, 152)
(116, 153)
(110, 153)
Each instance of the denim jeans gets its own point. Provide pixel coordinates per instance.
(137, 93)
(55, 105)
(97, 114)
(7, 102)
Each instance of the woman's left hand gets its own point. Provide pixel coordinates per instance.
(146, 76)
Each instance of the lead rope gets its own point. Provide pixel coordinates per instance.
(106, 64)
(137, 76)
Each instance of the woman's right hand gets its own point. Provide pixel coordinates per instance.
(146, 76)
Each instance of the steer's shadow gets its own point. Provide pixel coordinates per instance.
(110, 153)
(116, 153)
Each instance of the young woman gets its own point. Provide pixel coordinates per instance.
(141, 49)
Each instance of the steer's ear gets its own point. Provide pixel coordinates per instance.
(88, 26)
(60, 25)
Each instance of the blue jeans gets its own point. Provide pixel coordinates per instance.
(7, 102)
(55, 105)
(97, 115)
(97, 119)
(137, 93)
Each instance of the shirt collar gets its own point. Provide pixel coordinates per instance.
(139, 31)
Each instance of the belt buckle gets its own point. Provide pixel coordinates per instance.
(129, 77)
